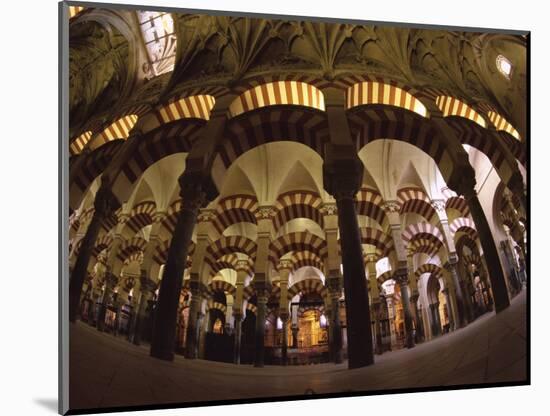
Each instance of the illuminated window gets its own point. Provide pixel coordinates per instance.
(160, 41)
(504, 66)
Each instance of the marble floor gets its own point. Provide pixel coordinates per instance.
(106, 371)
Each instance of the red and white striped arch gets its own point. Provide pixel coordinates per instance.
(307, 286)
(220, 286)
(373, 92)
(278, 93)
(414, 200)
(429, 268)
(141, 215)
(235, 209)
(229, 245)
(298, 204)
(131, 246)
(298, 241)
(501, 124)
(368, 203)
(465, 225)
(459, 204)
(306, 258)
(451, 106)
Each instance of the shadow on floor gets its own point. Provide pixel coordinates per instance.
(49, 404)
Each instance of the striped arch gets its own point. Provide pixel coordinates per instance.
(473, 258)
(387, 275)
(249, 292)
(373, 92)
(298, 204)
(227, 261)
(369, 203)
(171, 218)
(120, 129)
(220, 286)
(298, 241)
(111, 221)
(307, 286)
(501, 124)
(235, 209)
(141, 215)
(458, 203)
(135, 256)
(306, 258)
(423, 238)
(102, 243)
(169, 139)
(252, 308)
(370, 123)
(271, 124)
(85, 168)
(516, 148)
(465, 225)
(229, 245)
(378, 239)
(278, 93)
(191, 107)
(78, 144)
(429, 268)
(160, 254)
(130, 247)
(451, 106)
(414, 200)
(217, 305)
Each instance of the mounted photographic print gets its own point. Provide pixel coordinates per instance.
(268, 208)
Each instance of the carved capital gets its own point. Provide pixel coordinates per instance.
(206, 215)
(438, 205)
(463, 180)
(266, 212)
(371, 258)
(105, 203)
(343, 177)
(401, 276)
(196, 191)
(285, 264)
(329, 209)
(242, 266)
(391, 206)
(159, 216)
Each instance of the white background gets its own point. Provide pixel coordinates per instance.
(29, 194)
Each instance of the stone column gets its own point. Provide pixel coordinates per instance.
(193, 324)
(295, 330)
(238, 316)
(463, 183)
(391, 320)
(343, 179)
(110, 282)
(105, 204)
(285, 267)
(147, 290)
(196, 190)
(463, 316)
(449, 308)
(437, 318)
(259, 351)
(375, 296)
(402, 278)
(243, 270)
(335, 329)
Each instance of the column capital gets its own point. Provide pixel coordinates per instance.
(159, 216)
(206, 215)
(401, 276)
(285, 264)
(105, 201)
(329, 209)
(197, 189)
(146, 284)
(371, 258)
(342, 178)
(265, 212)
(438, 205)
(463, 180)
(391, 206)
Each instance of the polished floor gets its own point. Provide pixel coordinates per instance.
(107, 372)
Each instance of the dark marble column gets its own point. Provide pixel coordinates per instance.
(463, 183)
(195, 193)
(343, 180)
(401, 276)
(295, 330)
(449, 308)
(104, 205)
(335, 330)
(147, 288)
(238, 315)
(193, 324)
(110, 283)
(284, 347)
(261, 309)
